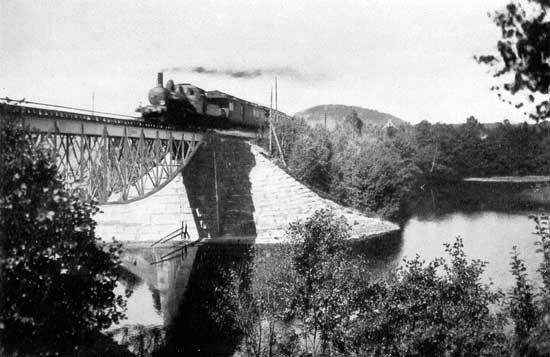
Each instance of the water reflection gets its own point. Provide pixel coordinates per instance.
(157, 288)
(490, 218)
(474, 197)
(185, 296)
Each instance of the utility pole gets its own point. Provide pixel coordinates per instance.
(277, 120)
(325, 117)
(270, 116)
(276, 105)
(93, 103)
(216, 189)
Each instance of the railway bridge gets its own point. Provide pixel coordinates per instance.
(107, 158)
(152, 180)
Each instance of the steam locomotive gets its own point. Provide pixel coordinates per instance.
(186, 105)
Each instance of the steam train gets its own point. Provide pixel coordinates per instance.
(186, 105)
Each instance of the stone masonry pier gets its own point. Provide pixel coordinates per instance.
(229, 192)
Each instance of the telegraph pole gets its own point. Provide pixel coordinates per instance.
(276, 105)
(277, 120)
(325, 117)
(270, 116)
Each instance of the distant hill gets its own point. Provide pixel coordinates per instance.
(337, 112)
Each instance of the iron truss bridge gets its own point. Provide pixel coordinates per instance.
(105, 158)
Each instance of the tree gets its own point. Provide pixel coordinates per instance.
(353, 121)
(327, 281)
(58, 278)
(369, 173)
(524, 50)
(311, 158)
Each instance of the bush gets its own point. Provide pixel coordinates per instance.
(529, 307)
(58, 278)
(438, 308)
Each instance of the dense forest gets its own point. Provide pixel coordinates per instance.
(377, 168)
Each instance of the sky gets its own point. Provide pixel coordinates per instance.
(412, 59)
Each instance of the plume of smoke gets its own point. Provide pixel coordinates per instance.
(246, 73)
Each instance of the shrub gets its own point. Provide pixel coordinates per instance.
(529, 307)
(438, 308)
(58, 278)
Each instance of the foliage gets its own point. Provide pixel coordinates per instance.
(315, 297)
(288, 132)
(264, 305)
(529, 308)
(371, 174)
(322, 299)
(357, 168)
(58, 278)
(522, 307)
(437, 308)
(377, 172)
(301, 295)
(474, 149)
(312, 165)
(355, 123)
(524, 51)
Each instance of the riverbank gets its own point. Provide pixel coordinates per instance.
(511, 179)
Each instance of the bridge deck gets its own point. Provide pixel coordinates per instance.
(63, 122)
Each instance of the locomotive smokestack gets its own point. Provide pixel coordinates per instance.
(159, 79)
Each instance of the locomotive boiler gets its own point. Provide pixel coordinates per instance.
(186, 105)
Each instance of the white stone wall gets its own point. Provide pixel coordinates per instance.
(148, 219)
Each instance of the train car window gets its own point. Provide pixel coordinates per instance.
(231, 107)
(191, 92)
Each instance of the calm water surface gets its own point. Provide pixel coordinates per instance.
(184, 296)
(490, 218)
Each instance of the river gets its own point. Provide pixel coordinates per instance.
(491, 218)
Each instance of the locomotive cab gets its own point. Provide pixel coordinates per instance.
(218, 104)
(195, 96)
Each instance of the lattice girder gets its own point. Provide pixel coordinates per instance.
(110, 162)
